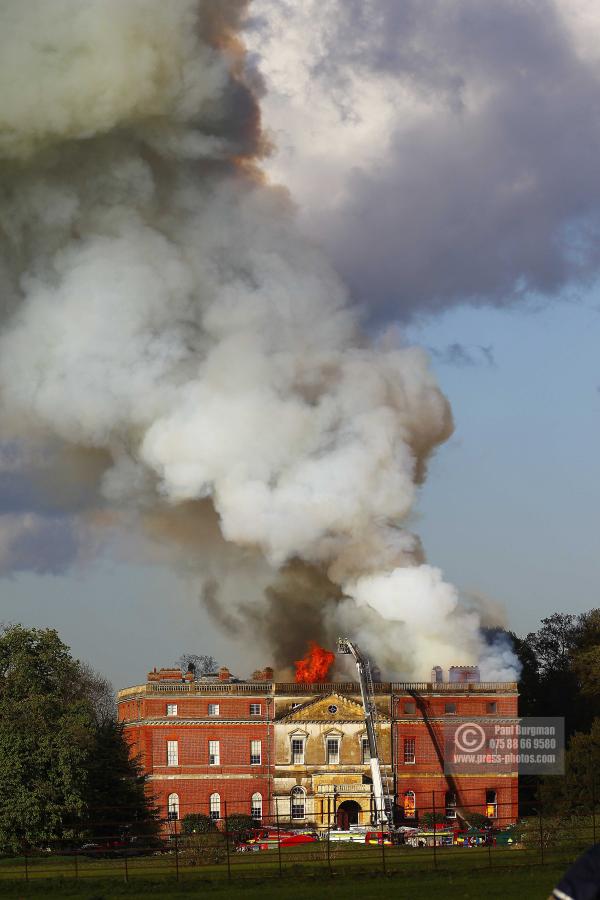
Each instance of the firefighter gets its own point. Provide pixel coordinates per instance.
(582, 881)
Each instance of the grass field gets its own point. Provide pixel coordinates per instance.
(355, 871)
(524, 883)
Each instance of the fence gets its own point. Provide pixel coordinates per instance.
(275, 848)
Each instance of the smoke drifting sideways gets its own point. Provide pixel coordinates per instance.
(162, 315)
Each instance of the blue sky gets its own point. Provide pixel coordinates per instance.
(510, 507)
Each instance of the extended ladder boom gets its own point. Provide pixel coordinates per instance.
(346, 646)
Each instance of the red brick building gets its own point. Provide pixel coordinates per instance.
(297, 752)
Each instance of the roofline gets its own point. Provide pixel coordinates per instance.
(293, 689)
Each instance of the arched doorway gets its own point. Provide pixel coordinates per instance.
(347, 814)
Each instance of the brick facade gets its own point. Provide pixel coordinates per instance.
(271, 738)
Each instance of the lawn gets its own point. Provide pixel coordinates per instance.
(338, 871)
(524, 883)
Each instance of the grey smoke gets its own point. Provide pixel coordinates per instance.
(167, 323)
(463, 136)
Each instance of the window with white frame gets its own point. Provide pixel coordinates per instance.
(172, 753)
(450, 805)
(172, 807)
(333, 751)
(171, 709)
(366, 751)
(297, 799)
(256, 807)
(255, 753)
(298, 751)
(215, 807)
(213, 709)
(214, 756)
(409, 750)
(409, 803)
(491, 804)
(255, 709)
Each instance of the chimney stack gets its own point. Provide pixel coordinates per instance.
(437, 675)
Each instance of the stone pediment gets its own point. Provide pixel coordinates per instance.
(329, 708)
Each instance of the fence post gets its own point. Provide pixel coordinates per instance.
(75, 859)
(541, 821)
(329, 836)
(434, 831)
(381, 825)
(176, 854)
(26, 864)
(278, 837)
(126, 867)
(594, 805)
(227, 842)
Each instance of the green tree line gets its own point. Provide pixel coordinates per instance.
(65, 769)
(561, 677)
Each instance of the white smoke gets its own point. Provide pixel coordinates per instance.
(164, 309)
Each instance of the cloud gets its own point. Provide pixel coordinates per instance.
(462, 356)
(34, 543)
(442, 151)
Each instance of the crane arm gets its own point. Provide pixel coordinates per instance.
(348, 647)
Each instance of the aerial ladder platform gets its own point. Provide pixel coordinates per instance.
(381, 794)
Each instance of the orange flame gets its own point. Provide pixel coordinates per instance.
(316, 664)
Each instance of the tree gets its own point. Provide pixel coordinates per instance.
(46, 737)
(554, 642)
(63, 759)
(240, 826)
(197, 823)
(116, 799)
(576, 790)
(430, 819)
(198, 663)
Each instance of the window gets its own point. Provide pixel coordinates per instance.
(491, 804)
(255, 753)
(215, 807)
(214, 758)
(366, 752)
(172, 753)
(171, 709)
(173, 807)
(298, 751)
(450, 805)
(256, 807)
(213, 709)
(255, 709)
(410, 805)
(410, 708)
(491, 707)
(333, 751)
(297, 803)
(450, 708)
(409, 750)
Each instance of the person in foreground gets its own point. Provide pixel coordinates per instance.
(582, 880)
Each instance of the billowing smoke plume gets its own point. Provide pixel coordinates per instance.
(162, 314)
